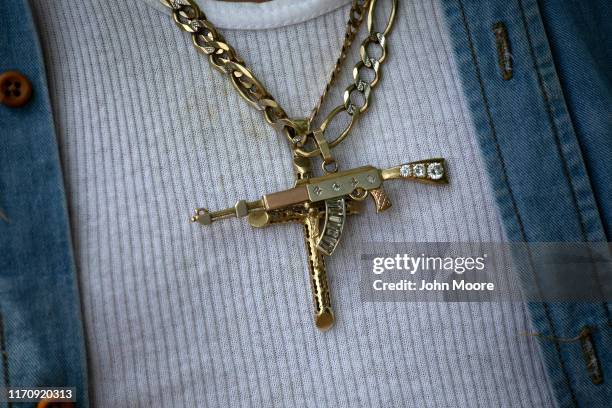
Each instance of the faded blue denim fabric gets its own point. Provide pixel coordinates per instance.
(41, 330)
(580, 36)
(545, 136)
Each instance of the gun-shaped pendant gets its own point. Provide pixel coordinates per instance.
(321, 205)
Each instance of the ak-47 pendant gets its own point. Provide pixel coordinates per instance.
(321, 205)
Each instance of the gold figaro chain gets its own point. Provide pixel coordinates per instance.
(224, 58)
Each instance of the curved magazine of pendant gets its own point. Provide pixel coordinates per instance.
(335, 216)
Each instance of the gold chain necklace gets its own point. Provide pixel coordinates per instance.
(321, 204)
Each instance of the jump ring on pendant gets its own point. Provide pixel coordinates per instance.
(329, 167)
(359, 194)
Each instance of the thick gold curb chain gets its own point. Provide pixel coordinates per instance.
(224, 58)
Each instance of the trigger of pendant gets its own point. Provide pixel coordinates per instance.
(329, 164)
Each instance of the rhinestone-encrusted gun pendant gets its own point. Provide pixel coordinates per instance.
(321, 205)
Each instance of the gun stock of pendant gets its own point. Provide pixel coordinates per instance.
(326, 201)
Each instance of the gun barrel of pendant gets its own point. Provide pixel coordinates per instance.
(273, 201)
(286, 198)
(241, 209)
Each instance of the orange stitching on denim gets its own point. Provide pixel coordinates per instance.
(504, 52)
(588, 350)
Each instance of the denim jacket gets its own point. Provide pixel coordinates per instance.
(538, 78)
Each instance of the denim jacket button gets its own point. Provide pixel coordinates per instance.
(15, 89)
